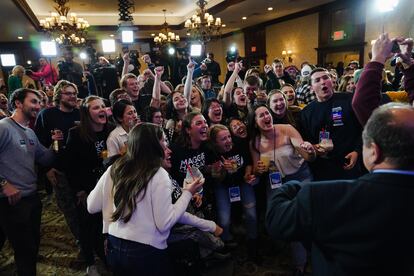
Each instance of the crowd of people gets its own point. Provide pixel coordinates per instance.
(153, 169)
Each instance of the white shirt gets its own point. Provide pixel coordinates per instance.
(116, 140)
(154, 215)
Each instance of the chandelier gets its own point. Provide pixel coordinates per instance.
(165, 36)
(202, 26)
(64, 28)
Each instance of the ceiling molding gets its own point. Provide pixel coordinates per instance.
(27, 11)
(222, 6)
(114, 28)
(213, 10)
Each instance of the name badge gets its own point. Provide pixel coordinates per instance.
(323, 135)
(234, 194)
(337, 116)
(275, 180)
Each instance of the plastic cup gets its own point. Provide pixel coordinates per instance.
(195, 173)
(265, 160)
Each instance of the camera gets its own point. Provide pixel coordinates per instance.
(206, 61)
(64, 67)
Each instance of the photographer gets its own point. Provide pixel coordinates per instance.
(133, 67)
(47, 74)
(209, 67)
(71, 71)
(106, 78)
(213, 69)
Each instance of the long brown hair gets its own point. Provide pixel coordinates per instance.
(85, 127)
(184, 139)
(132, 172)
(288, 114)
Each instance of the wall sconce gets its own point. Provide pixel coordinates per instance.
(287, 54)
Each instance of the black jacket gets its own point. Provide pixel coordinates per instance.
(357, 227)
(83, 161)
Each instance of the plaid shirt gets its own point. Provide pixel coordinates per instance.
(304, 94)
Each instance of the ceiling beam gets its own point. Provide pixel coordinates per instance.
(27, 11)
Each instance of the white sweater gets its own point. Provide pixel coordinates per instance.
(154, 215)
(116, 140)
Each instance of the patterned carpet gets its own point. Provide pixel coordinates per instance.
(58, 253)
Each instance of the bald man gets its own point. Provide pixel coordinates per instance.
(363, 226)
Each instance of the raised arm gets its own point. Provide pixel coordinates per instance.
(406, 47)
(189, 80)
(230, 83)
(126, 59)
(164, 88)
(367, 95)
(156, 90)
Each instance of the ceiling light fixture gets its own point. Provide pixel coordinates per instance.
(20, 37)
(165, 36)
(64, 28)
(270, 8)
(126, 25)
(202, 26)
(244, 17)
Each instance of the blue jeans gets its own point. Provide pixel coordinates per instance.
(248, 200)
(133, 258)
(304, 174)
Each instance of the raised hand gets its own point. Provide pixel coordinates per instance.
(190, 65)
(381, 49)
(267, 68)
(230, 66)
(126, 58)
(159, 71)
(406, 47)
(148, 74)
(238, 66)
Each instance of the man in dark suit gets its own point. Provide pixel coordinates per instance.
(363, 226)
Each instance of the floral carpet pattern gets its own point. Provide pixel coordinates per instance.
(58, 254)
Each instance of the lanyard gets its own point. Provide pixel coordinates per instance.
(274, 144)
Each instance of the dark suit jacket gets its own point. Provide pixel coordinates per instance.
(357, 227)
